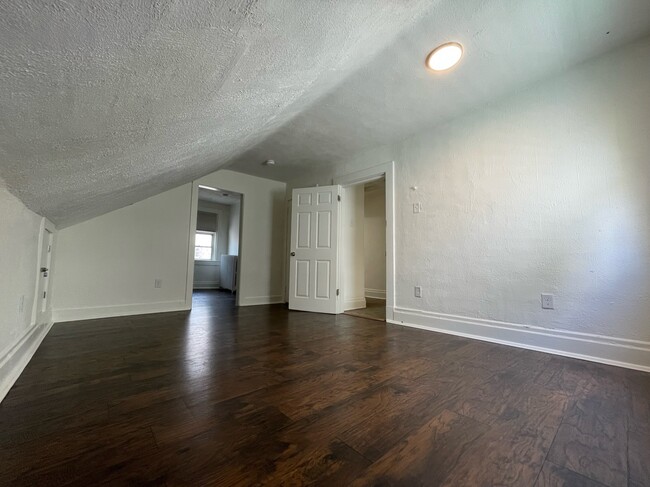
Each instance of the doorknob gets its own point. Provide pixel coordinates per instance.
(44, 269)
(293, 254)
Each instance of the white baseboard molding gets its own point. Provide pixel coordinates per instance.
(77, 314)
(257, 300)
(621, 352)
(16, 359)
(376, 293)
(354, 303)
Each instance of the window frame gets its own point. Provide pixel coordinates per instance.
(213, 253)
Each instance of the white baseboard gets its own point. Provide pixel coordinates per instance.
(354, 303)
(632, 354)
(376, 293)
(257, 300)
(16, 359)
(77, 314)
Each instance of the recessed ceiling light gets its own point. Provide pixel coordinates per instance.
(208, 187)
(445, 56)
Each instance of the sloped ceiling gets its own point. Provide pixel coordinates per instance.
(103, 104)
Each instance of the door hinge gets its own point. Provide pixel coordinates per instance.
(338, 291)
(338, 197)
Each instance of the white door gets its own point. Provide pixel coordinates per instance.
(313, 261)
(44, 275)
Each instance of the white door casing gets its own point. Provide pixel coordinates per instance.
(42, 296)
(314, 255)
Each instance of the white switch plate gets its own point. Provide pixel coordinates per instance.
(157, 283)
(417, 207)
(21, 305)
(547, 301)
(418, 291)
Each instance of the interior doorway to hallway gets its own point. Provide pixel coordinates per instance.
(363, 249)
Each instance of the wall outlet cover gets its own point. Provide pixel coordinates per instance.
(157, 283)
(547, 301)
(418, 291)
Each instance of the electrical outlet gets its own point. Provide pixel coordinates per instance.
(417, 207)
(547, 301)
(157, 283)
(418, 291)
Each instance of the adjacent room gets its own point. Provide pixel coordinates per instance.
(216, 245)
(361, 243)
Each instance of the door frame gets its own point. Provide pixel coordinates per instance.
(386, 170)
(189, 276)
(40, 317)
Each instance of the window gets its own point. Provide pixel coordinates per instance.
(204, 245)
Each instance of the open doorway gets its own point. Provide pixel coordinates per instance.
(216, 247)
(364, 249)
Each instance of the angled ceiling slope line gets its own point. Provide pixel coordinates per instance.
(103, 105)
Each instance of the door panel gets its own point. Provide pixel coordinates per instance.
(324, 230)
(314, 254)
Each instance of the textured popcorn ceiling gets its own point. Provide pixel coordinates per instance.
(103, 104)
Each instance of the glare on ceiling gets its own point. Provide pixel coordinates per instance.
(208, 187)
(445, 56)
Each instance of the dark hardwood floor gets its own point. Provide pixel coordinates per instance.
(263, 396)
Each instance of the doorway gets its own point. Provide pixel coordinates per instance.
(364, 249)
(216, 246)
(320, 269)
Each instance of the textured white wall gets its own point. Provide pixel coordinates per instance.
(352, 248)
(546, 191)
(108, 265)
(374, 211)
(19, 234)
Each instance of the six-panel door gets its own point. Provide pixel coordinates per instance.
(314, 254)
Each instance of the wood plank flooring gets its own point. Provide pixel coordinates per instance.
(375, 310)
(263, 396)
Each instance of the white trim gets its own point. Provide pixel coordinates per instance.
(257, 300)
(354, 303)
(38, 317)
(376, 293)
(191, 234)
(386, 170)
(76, 314)
(16, 359)
(621, 352)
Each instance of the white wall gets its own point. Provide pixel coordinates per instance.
(233, 228)
(206, 273)
(107, 266)
(20, 334)
(374, 212)
(547, 191)
(261, 250)
(352, 247)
